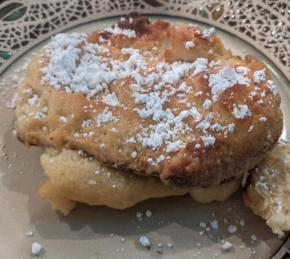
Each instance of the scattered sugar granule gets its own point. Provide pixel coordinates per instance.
(241, 111)
(92, 182)
(227, 246)
(139, 215)
(28, 91)
(189, 44)
(36, 248)
(12, 103)
(29, 234)
(62, 119)
(199, 93)
(232, 229)
(208, 140)
(214, 63)
(169, 245)
(111, 99)
(134, 154)
(148, 213)
(259, 76)
(207, 34)
(86, 123)
(160, 158)
(145, 242)
(250, 128)
(242, 70)
(197, 146)
(214, 224)
(202, 224)
(207, 104)
(263, 119)
(33, 100)
(123, 239)
(105, 116)
(242, 222)
(254, 237)
(270, 84)
(44, 109)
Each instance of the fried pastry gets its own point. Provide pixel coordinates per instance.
(151, 98)
(268, 191)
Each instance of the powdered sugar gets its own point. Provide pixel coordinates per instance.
(62, 119)
(242, 70)
(271, 85)
(63, 52)
(200, 65)
(116, 30)
(263, 119)
(208, 140)
(259, 76)
(33, 100)
(111, 99)
(227, 246)
(241, 111)
(134, 154)
(207, 34)
(174, 146)
(207, 104)
(86, 123)
(105, 116)
(189, 44)
(227, 77)
(36, 249)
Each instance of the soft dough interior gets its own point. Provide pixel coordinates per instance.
(74, 177)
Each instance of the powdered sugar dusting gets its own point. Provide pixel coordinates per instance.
(259, 76)
(116, 30)
(208, 140)
(105, 116)
(63, 51)
(227, 77)
(79, 66)
(241, 111)
(111, 99)
(271, 85)
(242, 70)
(189, 44)
(207, 34)
(207, 104)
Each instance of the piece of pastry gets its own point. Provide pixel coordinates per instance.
(268, 190)
(151, 98)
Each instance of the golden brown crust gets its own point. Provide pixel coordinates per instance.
(231, 154)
